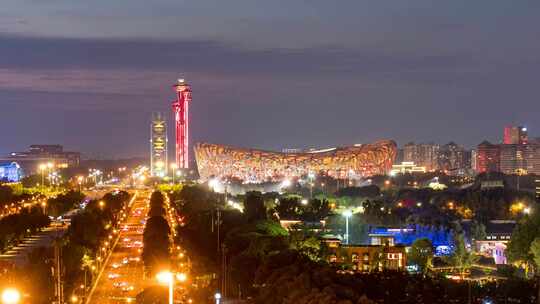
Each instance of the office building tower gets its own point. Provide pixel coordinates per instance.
(488, 157)
(452, 157)
(158, 145)
(515, 135)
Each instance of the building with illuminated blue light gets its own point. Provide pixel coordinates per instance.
(10, 172)
(442, 239)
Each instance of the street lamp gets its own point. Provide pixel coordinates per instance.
(304, 202)
(217, 296)
(80, 180)
(311, 177)
(11, 296)
(213, 184)
(42, 168)
(286, 183)
(166, 277)
(101, 204)
(347, 214)
(173, 170)
(181, 277)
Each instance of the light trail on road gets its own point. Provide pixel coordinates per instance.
(123, 275)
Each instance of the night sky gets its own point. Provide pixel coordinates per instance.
(267, 74)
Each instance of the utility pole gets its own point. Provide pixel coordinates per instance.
(218, 228)
(58, 287)
(224, 270)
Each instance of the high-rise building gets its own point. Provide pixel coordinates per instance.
(517, 159)
(488, 157)
(424, 155)
(474, 155)
(537, 186)
(515, 135)
(158, 145)
(452, 157)
(399, 156)
(410, 152)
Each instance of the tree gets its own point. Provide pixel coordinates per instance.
(156, 243)
(478, 231)
(288, 207)
(421, 253)
(461, 257)
(64, 202)
(535, 251)
(522, 237)
(254, 206)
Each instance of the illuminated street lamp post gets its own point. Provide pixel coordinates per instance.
(286, 183)
(44, 206)
(11, 296)
(311, 177)
(167, 277)
(50, 166)
(42, 168)
(347, 214)
(173, 171)
(217, 296)
(180, 174)
(80, 180)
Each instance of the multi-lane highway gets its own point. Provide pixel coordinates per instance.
(122, 277)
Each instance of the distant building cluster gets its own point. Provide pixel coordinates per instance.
(426, 157)
(30, 160)
(255, 166)
(516, 155)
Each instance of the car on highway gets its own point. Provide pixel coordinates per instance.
(113, 275)
(120, 284)
(128, 288)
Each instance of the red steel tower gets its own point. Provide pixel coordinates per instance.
(181, 116)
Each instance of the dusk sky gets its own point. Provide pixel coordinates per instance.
(267, 74)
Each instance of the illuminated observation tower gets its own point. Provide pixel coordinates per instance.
(181, 116)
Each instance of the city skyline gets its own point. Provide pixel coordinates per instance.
(359, 72)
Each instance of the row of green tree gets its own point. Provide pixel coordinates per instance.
(156, 236)
(64, 202)
(14, 227)
(80, 245)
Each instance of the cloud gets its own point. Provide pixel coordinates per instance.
(21, 52)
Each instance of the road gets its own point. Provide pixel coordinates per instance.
(122, 277)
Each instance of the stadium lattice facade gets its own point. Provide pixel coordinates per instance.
(254, 166)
